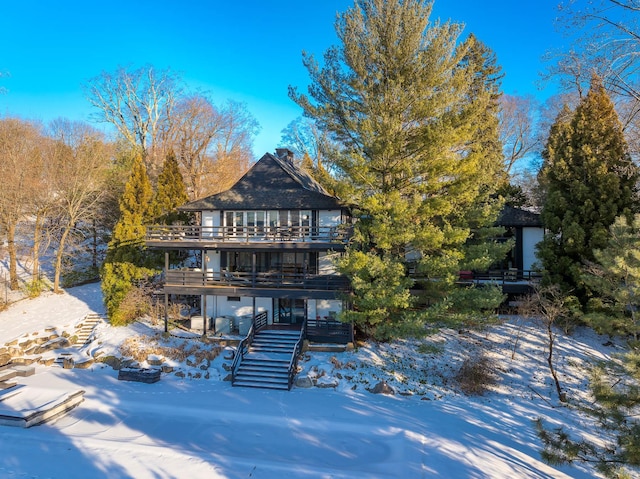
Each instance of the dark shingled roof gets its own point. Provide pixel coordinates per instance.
(270, 184)
(511, 216)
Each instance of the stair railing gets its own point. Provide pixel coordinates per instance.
(293, 362)
(259, 321)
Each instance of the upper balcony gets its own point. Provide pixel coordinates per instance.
(248, 237)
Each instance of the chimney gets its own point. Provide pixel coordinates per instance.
(285, 154)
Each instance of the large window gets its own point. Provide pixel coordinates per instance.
(289, 263)
(252, 223)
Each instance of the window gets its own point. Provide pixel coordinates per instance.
(233, 298)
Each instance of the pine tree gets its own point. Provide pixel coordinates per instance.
(614, 278)
(616, 452)
(127, 263)
(171, 193)
(590, 179)
(413, 114)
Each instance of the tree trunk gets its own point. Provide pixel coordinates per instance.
(37, 241)
(94, 246)
(59, 255)
(13, 260)
(561, 394)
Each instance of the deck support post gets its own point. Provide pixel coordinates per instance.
(166, 295)
(204, 296)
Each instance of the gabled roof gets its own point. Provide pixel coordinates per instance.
(272, 183)
(512, 216)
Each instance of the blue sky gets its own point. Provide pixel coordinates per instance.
(246, 50)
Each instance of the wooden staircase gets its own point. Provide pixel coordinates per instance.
(269, 360)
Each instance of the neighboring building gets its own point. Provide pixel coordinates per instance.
(527, 230)
(516, 273)
(267, 245)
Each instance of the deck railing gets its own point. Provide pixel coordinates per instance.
(329, 331)
(248, 234)
(500, 276)
(272, 279)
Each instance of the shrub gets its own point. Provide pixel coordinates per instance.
(476, 375)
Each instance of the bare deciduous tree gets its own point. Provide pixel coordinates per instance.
(232, 151)
(81, 160)
(19, 155)
(195, 124)
(517, 128)
(303, 137)
(547, 304)
(138, 103)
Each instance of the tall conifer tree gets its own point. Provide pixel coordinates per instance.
(171, 193)
(407, 104)
(590, 179)
(127, 262)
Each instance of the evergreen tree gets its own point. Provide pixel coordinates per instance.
(413, 115)
(589, 179)
(616, 452)
(127, 263)
(171, 193)
(614, 278)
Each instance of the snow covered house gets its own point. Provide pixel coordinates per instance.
(265, 252)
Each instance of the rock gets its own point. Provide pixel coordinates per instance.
(47, 361)
(180, 374)
(155, 360)
(143, 375)
(5, 358)
(26, 361)
(84, 364)
(167, 369)
(382, 388)
(226, 367)
(192, 362)
(228, 377)
(15, 351)
(326, 382)
(304, 382)
(112, 361)
(55, 343)
(24, 371)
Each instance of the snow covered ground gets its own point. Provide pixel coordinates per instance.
(195, 424)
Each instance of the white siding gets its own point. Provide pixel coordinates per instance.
(530, 238)
(210, 219)
(220, 306)
(212, 259)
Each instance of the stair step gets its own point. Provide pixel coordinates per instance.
(262, 384)
(271, 378)
(274, 343)
(277, 334)
(266, 364)
(8, 374)
(263, 370)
